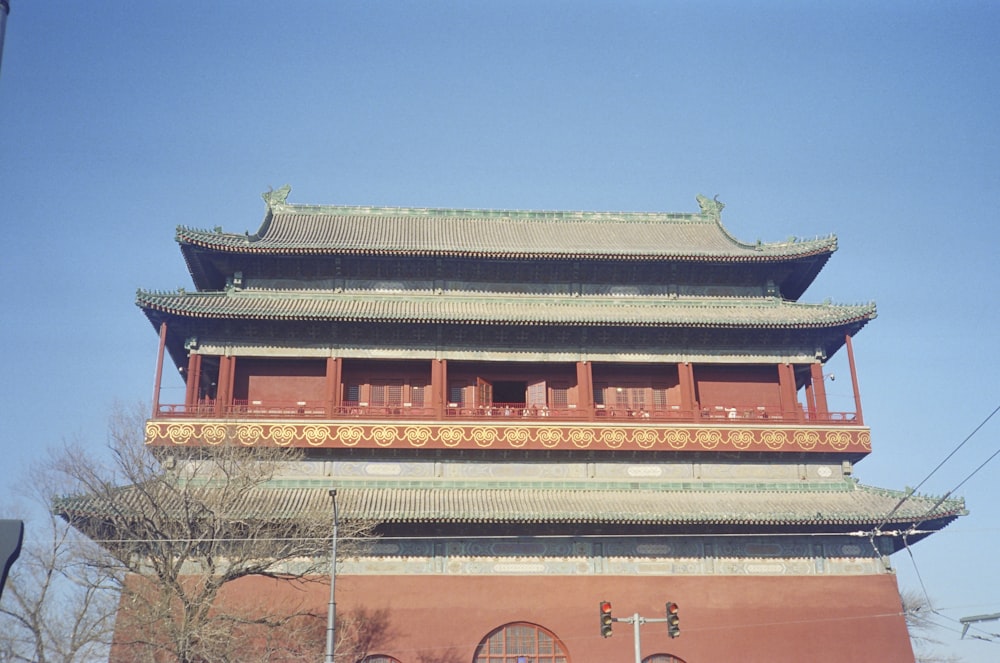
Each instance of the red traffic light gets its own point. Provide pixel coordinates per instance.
(606, 619)
(673, 620)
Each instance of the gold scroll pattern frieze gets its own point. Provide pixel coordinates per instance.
(595, 438)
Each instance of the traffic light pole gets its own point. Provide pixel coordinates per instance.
(636, 621)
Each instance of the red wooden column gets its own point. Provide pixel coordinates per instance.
(159, 368)
(810, 400)
(685, 374)
(854, 381)
(819, 391)
(585, 388)
(439, 387)
(786, 387)
(193, 382)
(224, 389)
(334, 375)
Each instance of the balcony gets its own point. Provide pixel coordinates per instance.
(736, 414)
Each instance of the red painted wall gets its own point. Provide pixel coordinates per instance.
(279, 381)
(735, 618)
(735, 386)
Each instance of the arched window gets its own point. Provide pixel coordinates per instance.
(379, 658)
(521, 642)
(662, 658)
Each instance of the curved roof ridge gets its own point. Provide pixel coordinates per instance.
(373, 229)
(491, 213)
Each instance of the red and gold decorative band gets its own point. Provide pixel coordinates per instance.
(855, 440)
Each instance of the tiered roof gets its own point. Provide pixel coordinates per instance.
(324, 235)
(311, 231)
(844, 507)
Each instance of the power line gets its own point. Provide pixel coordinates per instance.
(911, 492)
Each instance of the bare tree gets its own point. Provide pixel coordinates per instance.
(58, 607)
(919, 621)
(202, 543)
(362, 632)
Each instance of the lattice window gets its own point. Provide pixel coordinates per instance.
(417, 392)
(536, 395)
(386, 393)
(560, 396)
(630, 397)
(379, 658)
(659, 395)
(521, 643)
(662, 658)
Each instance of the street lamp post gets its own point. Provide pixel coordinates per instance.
(4, 11)
(331, 615)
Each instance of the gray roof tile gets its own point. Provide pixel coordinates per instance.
(848, 504)
(300, 229)
(507, 309)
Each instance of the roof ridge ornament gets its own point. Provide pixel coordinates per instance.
(710, 207)
(275, 197)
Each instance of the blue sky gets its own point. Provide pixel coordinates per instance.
(121, 120)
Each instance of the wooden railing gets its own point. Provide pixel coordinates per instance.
(718, 414)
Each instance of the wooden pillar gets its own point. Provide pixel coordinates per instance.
(854, 380)
(159, 368)
(786, 388)
(585, 388)
(439, 387)
(810, 400)
(224, 388)
(220, 381)
(193, 381)
(231, 380)
(689, 402)
(819, 391)
(197, 380)
(334, 376)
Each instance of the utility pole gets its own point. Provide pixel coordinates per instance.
(331, 615)
(636, 621)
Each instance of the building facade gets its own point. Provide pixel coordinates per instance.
(546, 410)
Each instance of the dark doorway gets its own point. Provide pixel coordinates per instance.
(509, 392)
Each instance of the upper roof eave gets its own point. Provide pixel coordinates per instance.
(290, 229)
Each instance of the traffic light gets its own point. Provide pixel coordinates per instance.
(673, 621)
(606, 619)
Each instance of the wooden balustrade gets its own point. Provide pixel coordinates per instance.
(717, 414)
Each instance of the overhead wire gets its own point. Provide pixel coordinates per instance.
(914, 527)
(910, 493)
